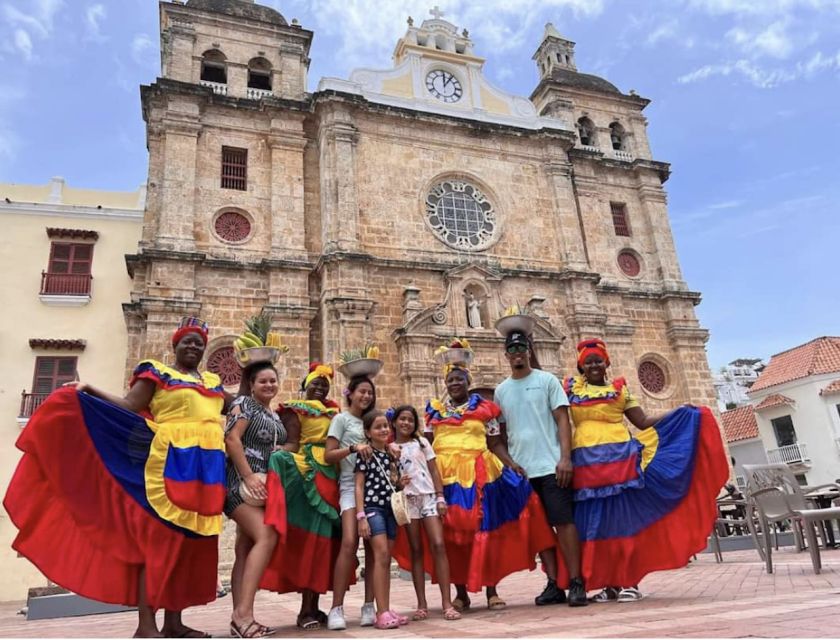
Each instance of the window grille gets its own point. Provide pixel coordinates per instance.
(234, 168)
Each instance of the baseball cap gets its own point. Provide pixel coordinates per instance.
(516, 337)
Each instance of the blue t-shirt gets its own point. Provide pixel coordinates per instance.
(526, 406)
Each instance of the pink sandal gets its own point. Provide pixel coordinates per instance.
(387, 620)
(403, 620)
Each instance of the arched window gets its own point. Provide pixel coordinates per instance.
(259, 74)
(586, 132)
(214, 67)
(617, 136)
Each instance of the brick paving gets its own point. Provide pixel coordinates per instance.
(733, 599)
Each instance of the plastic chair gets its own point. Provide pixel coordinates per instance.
(746, 522)
(775, 493)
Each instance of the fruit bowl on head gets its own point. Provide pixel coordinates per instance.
(252, 355)
(455, 355)
(368, 367)
(516, 322)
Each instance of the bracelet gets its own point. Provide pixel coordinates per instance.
(352, 449)
(361, 515)
(440, 500)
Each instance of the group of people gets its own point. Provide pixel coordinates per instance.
(120, 499)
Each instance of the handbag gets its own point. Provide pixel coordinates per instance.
(399, 501)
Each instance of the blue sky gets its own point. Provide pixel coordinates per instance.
(745, 108)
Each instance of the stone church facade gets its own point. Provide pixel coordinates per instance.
(380, 208)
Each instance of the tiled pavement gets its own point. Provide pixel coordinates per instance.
(705, 599)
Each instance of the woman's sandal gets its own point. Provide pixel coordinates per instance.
(308, 622)
(253, 630)
(630, 594)
(321, 617)
(386, 620)
(420, 614)
(461, 605)
(494, 603)
(403, 620)
(451, 614)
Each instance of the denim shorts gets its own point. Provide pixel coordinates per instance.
(381, 520)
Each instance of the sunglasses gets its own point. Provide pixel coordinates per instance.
(516, 348)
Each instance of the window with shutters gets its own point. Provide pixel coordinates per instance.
(234, 168)
(69, 270)
(50, 373)
(619, 217)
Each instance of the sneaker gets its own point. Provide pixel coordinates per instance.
(577, 593)
(368, 614)
(336, 621)
(552, 594)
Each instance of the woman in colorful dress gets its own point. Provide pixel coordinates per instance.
(302, 502)
(494, 524)
(126, 509)
(254, 431)
(643, 503)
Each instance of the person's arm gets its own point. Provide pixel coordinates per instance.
(136, 400)
(640, 420)
(563, 470)
(236, 453)
(500, 450)
(438, 483)
(292, 423)
(364, 527)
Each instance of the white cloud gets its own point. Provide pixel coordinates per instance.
(36, 20)
(143, 49)
(819, 62)
(757, 76)
(94, 15)
(761, 7)
(773, 41)
(23, 43)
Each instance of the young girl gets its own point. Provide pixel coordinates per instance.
(376, 480)
(426, 505)
(346, 442)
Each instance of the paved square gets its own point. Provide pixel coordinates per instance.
(705, 599)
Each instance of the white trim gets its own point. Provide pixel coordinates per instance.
(65, 301)
(22, 422)
(69, 211)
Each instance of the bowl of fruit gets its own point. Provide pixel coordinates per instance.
(258, 343)
(514, 320)
(360, 362)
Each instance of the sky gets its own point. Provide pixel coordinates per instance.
(745, 101)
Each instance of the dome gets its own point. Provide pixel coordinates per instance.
(582, 81)
(240, 9)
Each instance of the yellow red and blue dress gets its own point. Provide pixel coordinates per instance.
(102, 493)
(494, 523)
(642, 503)
(302, 505)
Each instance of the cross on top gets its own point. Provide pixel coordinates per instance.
(437, 14)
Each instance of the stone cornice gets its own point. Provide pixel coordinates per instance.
(70, 211)
(57, 344)
(663, 294)
(264, 264)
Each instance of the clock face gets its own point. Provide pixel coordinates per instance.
(444, 86)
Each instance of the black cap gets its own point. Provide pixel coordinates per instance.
(516, 337)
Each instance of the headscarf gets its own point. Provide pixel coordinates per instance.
(450, 367)
(586, 348)
(190, 324)
(317, 370)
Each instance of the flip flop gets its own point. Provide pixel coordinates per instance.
(495, 603)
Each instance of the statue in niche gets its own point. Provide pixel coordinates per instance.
(473, 312)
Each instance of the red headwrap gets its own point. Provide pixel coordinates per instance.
(591, 346)
(190, 325)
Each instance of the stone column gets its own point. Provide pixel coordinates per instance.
(337, 139)
(287, 143)
(569, 229)
(654, 205)
(177, 202)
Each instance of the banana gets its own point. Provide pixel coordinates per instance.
(253, 338)
(238, 344)
(273, 339)
(249, 343)
(373, 352)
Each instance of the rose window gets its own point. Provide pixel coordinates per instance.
(652, 377)
(460, 215)
(232, 226)
(223, 363)
(629, 263)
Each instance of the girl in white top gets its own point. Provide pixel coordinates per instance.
(426, 505)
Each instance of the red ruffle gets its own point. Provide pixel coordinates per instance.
(303, 561)
(79, 527)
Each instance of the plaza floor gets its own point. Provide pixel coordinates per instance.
(733, 599)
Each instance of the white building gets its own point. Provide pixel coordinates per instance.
(734, 380)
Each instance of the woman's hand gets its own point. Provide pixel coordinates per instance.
(441, 508)
(364, 529)
(395, 450)
(563, 472)
(255, 486)
(518, 470)
(404, 481)
(364, 450)
(78, 385)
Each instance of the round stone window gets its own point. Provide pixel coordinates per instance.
(232, 226)
(223, 363)
(629, 263)
(460, 215)
(652, 377)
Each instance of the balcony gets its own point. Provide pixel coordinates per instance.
(65, 289)
(792, 454)
(624, 156)
(28, 403)
(256, 94)
(218, 87)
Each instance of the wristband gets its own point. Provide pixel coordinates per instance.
(361, 515)
(440, 500)
(352, 448)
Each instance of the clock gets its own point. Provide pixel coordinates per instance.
(444, 86)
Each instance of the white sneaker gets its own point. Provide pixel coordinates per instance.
(368, 614)
(336, 621)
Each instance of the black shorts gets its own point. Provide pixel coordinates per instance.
(557, 501)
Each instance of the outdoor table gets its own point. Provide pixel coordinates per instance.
(823, 499)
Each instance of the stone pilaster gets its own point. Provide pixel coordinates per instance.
(177, 203)
(654, 205)
(287, 143)
(337, 138)
(573, 250)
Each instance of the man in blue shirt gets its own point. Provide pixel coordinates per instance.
(535, 410)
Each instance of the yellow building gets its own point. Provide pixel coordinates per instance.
(66, 280)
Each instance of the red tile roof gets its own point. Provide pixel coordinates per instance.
(821, 355)
(831, 389)
(773, 400)
(739, 424)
